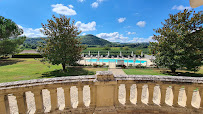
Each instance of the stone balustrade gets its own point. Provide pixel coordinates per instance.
(152, 94)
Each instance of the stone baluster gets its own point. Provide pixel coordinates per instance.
(163, 88)
(67, 97)
(116, 93)
(201, 96)
(189, 92)
(38, 101)
(80, 96)
(92, 96)
(21, 102)
(127, 87)
(4, 107)
(151, 92)
(139, 94)
(54, 99)
(176, 89)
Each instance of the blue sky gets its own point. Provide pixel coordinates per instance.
(114, 20)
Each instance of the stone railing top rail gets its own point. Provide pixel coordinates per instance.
(44, 81)
(151, 78)
(155, 78)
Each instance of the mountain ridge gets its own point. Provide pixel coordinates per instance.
(90, 39)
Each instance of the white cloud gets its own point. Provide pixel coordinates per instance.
(81, 0)
(181, 7)
(95, 4)
(141, 23)
(100, 1)
(84, 34)
(120, 20)
(31, 33)
(113, 37)
(116, 37)
(140, 40)
(61, 9)
(20, 26)
(86, 27)
(129, 33)
(128, 27)
(70, 6)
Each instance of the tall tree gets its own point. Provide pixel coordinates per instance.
(9, 40)
(61, 46)
(180, 41)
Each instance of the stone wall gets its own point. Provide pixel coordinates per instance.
(140, 94)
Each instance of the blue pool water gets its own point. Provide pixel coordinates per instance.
(114, 60)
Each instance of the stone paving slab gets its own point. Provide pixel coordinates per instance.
(117, 71)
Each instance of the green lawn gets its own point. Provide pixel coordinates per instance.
(163, 72)
(26, 69)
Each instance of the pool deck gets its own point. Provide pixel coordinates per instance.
(148, 63)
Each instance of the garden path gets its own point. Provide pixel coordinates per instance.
(117, 71)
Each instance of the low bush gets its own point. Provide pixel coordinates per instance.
(140, 66)
(122, 66)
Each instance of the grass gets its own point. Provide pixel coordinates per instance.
(25, 69)
(163, 72)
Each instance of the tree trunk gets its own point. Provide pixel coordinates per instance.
(64, 67)
(173, 70)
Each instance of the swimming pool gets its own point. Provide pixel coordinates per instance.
(114, 60)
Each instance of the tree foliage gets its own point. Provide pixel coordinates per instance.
(9, 40)
(61, 46)
(180, 41)
(107, 48)
(126, 48)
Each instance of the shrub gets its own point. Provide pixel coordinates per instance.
(95, 65)
(123, 66)
(140, 66)
(126, 48)
(27, 55)
(107, 48)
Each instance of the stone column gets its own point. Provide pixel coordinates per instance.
(92, 96)
(3, 105)
(127, 87)
(105, 94)
(151, 91)
(189, 92)
(201, 96)
(176, 89)
(139, 94)
(67, 97)
(80, 96)
(163, 88)
(21, 102)
(116, 93)
(54, 101)
(38, 101)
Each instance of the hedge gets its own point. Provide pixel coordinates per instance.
(27, 55)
